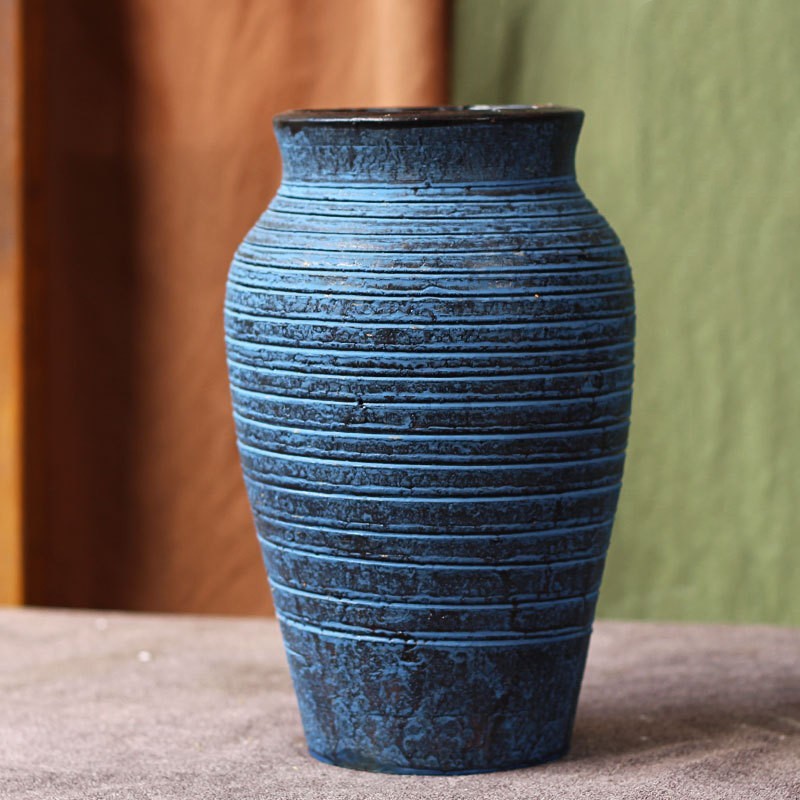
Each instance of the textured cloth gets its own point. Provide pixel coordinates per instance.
(691, 150)
(131, 706)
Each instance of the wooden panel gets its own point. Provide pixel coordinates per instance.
(10, 301)
(159, 156)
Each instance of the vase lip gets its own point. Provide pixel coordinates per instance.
(407, 116)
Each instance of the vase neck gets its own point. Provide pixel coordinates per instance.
(429, 146)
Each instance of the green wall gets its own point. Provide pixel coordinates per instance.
(691, 148)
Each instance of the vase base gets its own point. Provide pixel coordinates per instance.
(396, 769)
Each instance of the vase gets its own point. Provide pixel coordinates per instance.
(430, 343)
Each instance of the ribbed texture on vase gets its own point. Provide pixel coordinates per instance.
(432, 385)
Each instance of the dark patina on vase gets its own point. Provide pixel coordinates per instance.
(430, 341)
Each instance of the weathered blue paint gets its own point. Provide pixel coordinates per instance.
(430, 337)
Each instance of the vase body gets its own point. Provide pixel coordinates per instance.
(430, 341)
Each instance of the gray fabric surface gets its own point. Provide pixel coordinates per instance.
(100, 705)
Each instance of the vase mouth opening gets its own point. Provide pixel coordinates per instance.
(402, 116)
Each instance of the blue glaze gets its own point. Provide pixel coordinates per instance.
(430, 344)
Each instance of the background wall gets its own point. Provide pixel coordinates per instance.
(691, 148)
(137, 150)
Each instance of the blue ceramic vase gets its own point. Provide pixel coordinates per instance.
(430, 341)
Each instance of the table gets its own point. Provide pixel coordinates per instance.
(112, 705)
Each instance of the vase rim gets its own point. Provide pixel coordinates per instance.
(403, 116)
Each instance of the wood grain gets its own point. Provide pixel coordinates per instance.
(159, 156)
(10, 301)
